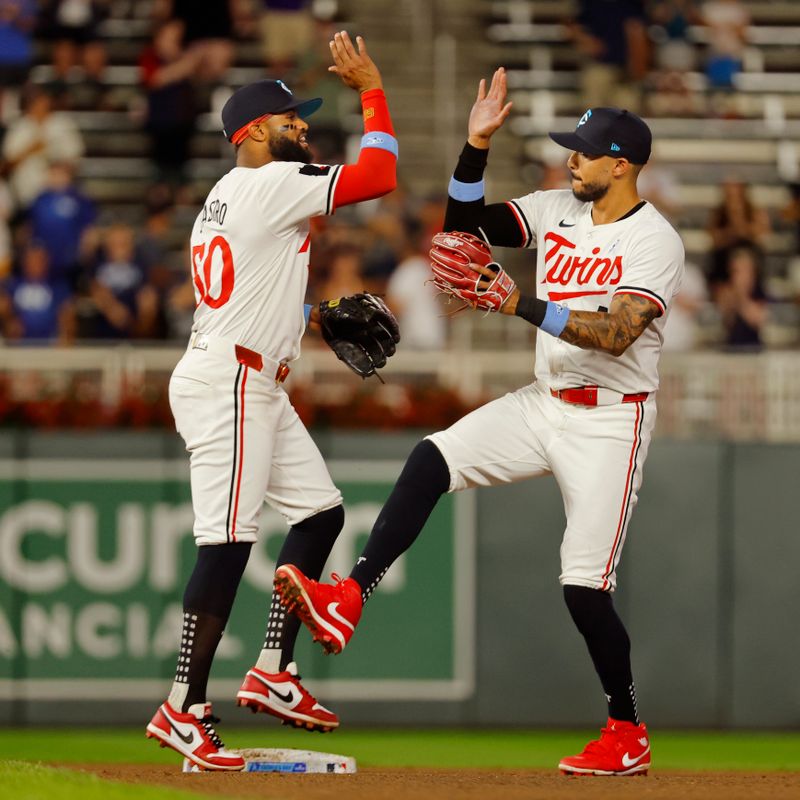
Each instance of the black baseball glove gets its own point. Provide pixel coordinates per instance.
(361, 330)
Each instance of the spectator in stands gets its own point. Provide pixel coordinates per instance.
(413, 298)
(736, 220)
(153, 241)
(167, 70)
(64, 63)
(59, 219)
(286, 33)
(682, 329)
(17, 20)
(741, 299)
(153, 252)
(32, 306)
(35, 139)
(726, 24)
(611, 37)
(122, 309)
(675, 59)
(91, 91)
(207, 36)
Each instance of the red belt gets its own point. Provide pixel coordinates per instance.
(587, 396)
(254, 360)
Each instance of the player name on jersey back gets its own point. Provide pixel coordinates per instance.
(583, 266)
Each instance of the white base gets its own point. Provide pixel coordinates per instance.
(297, 762)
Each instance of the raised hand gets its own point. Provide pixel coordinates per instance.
(490, 110)
(356, 69)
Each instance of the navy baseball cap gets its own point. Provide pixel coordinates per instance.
(609, 132)
(258, 99)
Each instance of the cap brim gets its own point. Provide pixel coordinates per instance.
(305, 108)
(572, 141)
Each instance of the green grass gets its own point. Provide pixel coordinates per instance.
(427, 748)
(22, 780)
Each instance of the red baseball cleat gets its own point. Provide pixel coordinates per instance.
(330, 612)
(622, 749)
(192, 735)
(282, 695)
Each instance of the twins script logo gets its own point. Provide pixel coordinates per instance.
(565, 267)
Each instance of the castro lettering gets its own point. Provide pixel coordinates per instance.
(564, 267)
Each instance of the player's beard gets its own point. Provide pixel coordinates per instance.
(285, 149)
(590, 192)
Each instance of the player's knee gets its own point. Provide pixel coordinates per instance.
(327, 523)
(426, 469)
(586, 604)
(216, 576)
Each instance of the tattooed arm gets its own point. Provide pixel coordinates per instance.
(612, 331)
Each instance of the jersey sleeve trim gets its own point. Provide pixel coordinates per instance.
(527, 235)
(332, 188)
(639, 292)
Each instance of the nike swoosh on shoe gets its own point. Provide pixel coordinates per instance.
(627, 761)
(333, 610)
(285, 698)
(182, 736)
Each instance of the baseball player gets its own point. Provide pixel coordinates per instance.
(607, 266)
(249, 261)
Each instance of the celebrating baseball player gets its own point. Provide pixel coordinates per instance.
(607, 266)
(249, 260)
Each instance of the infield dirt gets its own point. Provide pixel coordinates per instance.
(430, 784)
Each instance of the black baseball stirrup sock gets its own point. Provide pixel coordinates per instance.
(424, 479)
(307, 545)
(207, 604)
(609, 646)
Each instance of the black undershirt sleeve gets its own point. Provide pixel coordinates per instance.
(496, 221)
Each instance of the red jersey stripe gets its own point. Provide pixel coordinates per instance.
(625, 497)
(241, 453)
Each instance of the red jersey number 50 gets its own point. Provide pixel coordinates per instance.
(202, 262)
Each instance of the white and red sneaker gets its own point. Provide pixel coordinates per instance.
(282, 695)
(622, 749)
(330, 611)
(192, 735)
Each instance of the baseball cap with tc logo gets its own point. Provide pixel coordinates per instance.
(609, 132)
(258, 100)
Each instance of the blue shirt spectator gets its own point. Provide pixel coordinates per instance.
(16, 22)
(37, 305)
(59, 219)
(116, 286)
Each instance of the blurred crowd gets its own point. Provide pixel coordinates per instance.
(71, 271)
(646, 55)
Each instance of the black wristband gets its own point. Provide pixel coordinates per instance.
(471, 164)
(531, 309)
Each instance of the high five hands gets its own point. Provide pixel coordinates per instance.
(490, 110)
(354, 66)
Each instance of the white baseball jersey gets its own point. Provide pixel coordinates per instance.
(250, 253)
(582, 266)
(596, 453)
